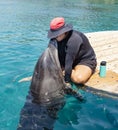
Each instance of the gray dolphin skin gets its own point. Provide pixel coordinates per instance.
(47, 83)
(46, 94)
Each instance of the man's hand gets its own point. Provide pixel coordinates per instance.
(70, 91)
(68, 85)
(67, 88)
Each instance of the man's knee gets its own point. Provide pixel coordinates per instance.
(78, 79)
(81, 74)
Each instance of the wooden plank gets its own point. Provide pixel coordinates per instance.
(113, 51)
(106, 47)
(101, 38)
(108, 83)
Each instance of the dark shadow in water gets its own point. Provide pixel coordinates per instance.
(97, 92)
(38, 116)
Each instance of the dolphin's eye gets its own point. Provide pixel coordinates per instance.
(37, 75)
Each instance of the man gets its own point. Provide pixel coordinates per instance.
(77, 57)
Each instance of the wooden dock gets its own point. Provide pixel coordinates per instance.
(105, 45)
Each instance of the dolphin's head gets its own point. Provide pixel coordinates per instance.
(47, 83)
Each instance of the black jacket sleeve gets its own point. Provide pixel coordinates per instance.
(73, 47)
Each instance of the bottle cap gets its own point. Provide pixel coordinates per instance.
(103, 63)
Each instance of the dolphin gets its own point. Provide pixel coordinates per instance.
(47, 92)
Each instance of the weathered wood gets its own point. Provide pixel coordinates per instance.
(108, 83)
(105, 45)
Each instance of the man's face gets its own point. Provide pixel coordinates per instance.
(61, 37)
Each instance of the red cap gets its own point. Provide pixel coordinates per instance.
(57, 23)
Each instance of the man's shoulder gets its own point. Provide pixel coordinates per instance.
(81, 34)
(76, 36)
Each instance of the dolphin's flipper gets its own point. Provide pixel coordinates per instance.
(25, 79)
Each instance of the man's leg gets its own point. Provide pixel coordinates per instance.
(81, 73)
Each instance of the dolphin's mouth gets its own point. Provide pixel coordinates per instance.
(50, 98)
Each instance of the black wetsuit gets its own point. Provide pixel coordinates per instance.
(73, 50)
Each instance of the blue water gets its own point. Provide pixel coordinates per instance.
(23, 37)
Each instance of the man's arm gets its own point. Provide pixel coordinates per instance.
(72, 49)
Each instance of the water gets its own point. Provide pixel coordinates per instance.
(23, 37)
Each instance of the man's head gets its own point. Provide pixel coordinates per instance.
(58, 28)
